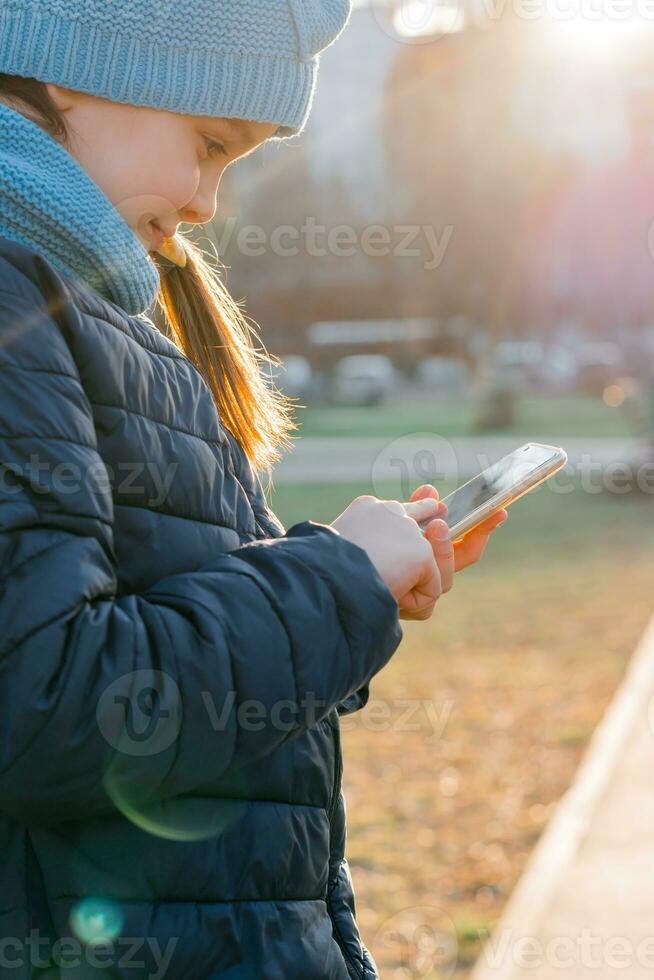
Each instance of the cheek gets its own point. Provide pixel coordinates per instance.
(146, 166)
(177, 179)
(154, 185)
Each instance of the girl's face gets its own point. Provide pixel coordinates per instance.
(152, 164)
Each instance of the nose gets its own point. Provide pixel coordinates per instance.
(202, 207)
(197, 216)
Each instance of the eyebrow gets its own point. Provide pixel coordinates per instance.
(224, 129)
(245, 137)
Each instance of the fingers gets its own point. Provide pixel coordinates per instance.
(419, 616)
(426, 490)
(439, 566)
(493, 521)
(501, 516)
(423, 509)
(429, 587)
(437, 574)
(438, 536)
(417, 607)
(486, 528)
(419, 602)
(470, 549)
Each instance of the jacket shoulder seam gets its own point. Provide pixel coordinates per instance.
(48, 438)
(185, 517)
(175, 428)
(12, 366)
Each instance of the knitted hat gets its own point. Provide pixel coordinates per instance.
(249, 59)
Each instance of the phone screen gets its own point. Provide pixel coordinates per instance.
(498, 478)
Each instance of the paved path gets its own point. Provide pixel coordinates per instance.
(585, 906)
(372, 460)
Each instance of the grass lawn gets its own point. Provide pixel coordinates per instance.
(505, 683)
(537, 416)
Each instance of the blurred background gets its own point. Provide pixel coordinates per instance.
(455, 258)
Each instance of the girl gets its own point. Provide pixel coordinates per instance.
(173, 660)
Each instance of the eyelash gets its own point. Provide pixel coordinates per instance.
(212, 144)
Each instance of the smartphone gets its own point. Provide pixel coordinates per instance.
(499, 485)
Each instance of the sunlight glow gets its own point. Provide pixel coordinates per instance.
(594, 28)
(417, 18)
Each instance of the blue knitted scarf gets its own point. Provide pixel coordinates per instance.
(49, 203)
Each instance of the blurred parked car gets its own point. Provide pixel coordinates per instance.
(518, 363)
(443, 374)
(559, 367)
(530, 365)
(293, 376)
(598, 364)
(363, 379)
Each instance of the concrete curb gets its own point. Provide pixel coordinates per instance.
(569, 826)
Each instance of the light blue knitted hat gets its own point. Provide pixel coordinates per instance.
(250, 59)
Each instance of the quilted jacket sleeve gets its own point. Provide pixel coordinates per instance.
(360, 698)
(171, 687)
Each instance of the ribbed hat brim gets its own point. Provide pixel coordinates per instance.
(135, 71)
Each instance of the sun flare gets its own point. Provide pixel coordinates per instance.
(593, 29)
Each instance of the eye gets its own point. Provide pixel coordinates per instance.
(213, 146)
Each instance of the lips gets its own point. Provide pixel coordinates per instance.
(157, 236)
(162, 240)
(154, 230)
(168, 230)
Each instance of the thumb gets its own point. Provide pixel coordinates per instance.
(426, 490)
(422, 510)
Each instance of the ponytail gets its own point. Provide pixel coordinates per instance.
(201, 318)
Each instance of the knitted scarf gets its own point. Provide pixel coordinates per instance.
(49, 203)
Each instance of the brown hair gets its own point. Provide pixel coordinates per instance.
(200, 317)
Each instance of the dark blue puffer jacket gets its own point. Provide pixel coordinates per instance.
(173, 665)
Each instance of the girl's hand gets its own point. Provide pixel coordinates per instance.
(471, 547)
(417, 569)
